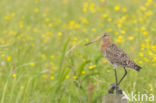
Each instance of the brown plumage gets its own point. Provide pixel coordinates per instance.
(115, 55)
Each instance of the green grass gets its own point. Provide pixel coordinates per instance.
(43, 58)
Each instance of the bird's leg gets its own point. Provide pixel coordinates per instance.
(123, 76)
(114, 86)
(116, 79)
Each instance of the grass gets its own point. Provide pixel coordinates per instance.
(43, 58)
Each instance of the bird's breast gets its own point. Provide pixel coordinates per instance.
(104, 46)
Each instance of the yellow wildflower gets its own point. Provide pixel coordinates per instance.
(44, 14)
(131, 38)
(43, 56)
(93, 29)
(74, 77)
(44, 76)
(83, 72)
(141, 54)
(104, 15)
(2, 55)
(67, 77)
(122, 31)
(9, 58)
(13, 75)
(117, 8)
(124, 9)
(92, 66)
(21, 86)
(59, 33)
(108, 71)
(12, 14)
(50, 25)
(140, 62)
(32, 64)
(47, 19)
(36, 10)
(52, 56)
(52, 77)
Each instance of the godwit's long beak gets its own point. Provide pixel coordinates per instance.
(93, 41)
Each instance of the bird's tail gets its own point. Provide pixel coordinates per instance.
(137, 68)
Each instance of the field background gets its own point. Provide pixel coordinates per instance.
(43, 58)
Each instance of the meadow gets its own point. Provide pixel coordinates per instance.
(43, 58)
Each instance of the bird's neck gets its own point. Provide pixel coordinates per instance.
(105, 44)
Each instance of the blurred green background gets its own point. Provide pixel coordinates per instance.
(43, 58)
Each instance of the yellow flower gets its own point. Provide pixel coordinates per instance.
(67, 77)
(32, 64)
(50, 25)
(47, 19)
(12, 14)
(44, 76)
(143, 28)
(145, 33)
(93, 29)
(92, 7)
(122, 31)
(21, 25)
(59, 34)
(13, 75)
(43, 56)
(52, 56)
(109, 19)
(149, 13)
(85, 6)
(140, 62)
(71, 24)
(2, 55)
(74, 77)
(110, 29)
(142, 8)
(9, 58)
(77, 26)
(44, 14)
(86, 40)
(119, 25)
(36, 10)
(84, 60)
(92, 66)
(52, 77)
(84, 20)
(131, 38)
(124, 9)
(102, 0)
(108, 71)
(6, 18)
(104, 15)
(119, 39)
(21, 86)
(117, 8)
(84, 10)
(141, 54)
(83, 72)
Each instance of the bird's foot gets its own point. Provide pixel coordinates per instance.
(119, 91)
(113, 87)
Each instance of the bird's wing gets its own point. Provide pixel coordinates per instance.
(116, 55)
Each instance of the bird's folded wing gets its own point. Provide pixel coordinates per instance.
(117, 56)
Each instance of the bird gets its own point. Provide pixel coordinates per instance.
(116, 57)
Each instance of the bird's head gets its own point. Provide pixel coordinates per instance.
(104, 37)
